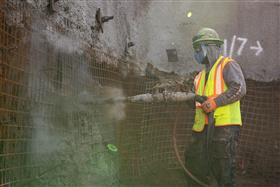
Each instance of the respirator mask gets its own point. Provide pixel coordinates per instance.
(200, 54)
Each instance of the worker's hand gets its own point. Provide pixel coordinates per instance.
(209, 105)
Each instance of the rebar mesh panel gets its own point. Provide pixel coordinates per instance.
(259, 140)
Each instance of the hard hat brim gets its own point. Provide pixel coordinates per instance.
(208, 41)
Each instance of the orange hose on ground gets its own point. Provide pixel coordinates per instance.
(178, 155)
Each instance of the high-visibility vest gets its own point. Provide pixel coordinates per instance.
(225, 115)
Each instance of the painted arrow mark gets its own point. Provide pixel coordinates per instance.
(258, 48)
(242, 42)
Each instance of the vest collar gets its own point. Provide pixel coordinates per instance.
(207, 70)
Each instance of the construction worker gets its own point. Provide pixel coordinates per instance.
(222, 81)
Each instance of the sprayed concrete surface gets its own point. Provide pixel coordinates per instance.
(250, 28)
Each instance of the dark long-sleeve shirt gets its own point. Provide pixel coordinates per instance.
(235, 82)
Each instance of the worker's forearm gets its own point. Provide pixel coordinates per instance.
(235, 81)
(234, 93)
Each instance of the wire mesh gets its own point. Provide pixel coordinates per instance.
(55, 125)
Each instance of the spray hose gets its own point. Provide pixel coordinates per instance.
(199, 99)
(166, 97)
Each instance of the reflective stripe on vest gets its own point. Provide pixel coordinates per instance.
(224, 115)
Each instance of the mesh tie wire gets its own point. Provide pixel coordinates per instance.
(188, 172)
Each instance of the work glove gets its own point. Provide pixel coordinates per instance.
(209, 105)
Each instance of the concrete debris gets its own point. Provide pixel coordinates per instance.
(169, 81)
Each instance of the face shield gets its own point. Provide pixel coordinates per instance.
(200, 53)
(207, 53)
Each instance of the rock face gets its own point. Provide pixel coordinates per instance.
(251, 31)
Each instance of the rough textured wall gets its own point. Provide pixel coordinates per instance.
(167, 26)
(155, 26)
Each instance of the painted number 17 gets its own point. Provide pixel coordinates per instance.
(243, 42)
